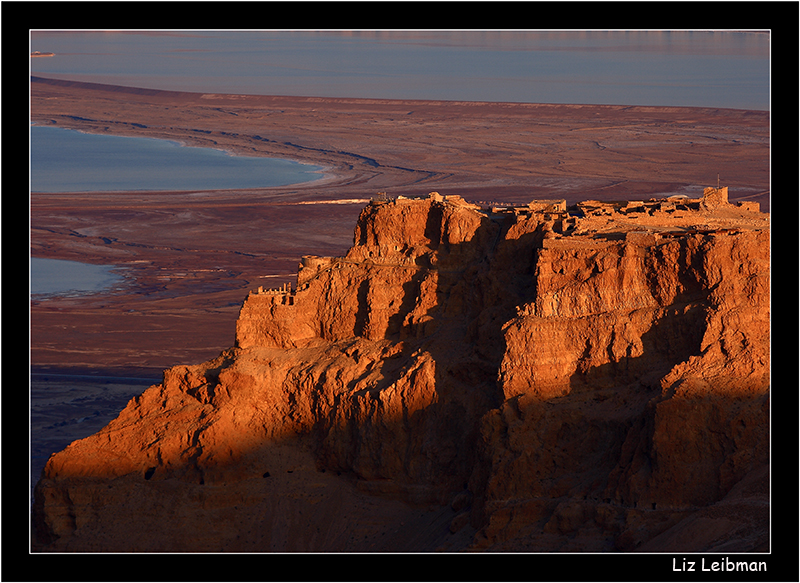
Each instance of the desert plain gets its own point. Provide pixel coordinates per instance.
(190, 258)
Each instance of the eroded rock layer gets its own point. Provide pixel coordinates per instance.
(537, 378)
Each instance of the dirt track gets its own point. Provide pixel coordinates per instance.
(193, 256)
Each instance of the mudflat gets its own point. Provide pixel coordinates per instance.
(193, 256)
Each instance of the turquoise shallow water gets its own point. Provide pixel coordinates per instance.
(64, 160)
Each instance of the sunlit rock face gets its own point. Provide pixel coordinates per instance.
(557, 379)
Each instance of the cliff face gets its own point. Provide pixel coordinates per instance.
(584, 380)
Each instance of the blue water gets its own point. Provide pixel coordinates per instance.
(65, 160)
(50, 277)
(655, 68)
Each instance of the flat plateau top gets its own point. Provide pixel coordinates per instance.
(656, 215)
(677, 221)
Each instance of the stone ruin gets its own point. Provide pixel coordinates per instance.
(553, 212)
(713, 198)
(286, 288)
(283, 294)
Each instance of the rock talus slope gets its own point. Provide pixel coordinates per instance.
(537, 378)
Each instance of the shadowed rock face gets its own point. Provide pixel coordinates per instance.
(547, 379)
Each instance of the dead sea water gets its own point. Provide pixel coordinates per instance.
(64, 160)
(58, 277)
(700, 68)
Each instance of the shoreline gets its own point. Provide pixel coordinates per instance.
(371, 100)
(195, 255)
(298, 129)
(326, 174)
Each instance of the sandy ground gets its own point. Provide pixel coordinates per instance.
(192, 257)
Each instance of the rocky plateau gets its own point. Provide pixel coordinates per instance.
(592, 377)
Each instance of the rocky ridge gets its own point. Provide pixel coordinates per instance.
(536, 378)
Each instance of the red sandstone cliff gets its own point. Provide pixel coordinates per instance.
(539, 380)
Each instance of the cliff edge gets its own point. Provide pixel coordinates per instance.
(536, 378)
